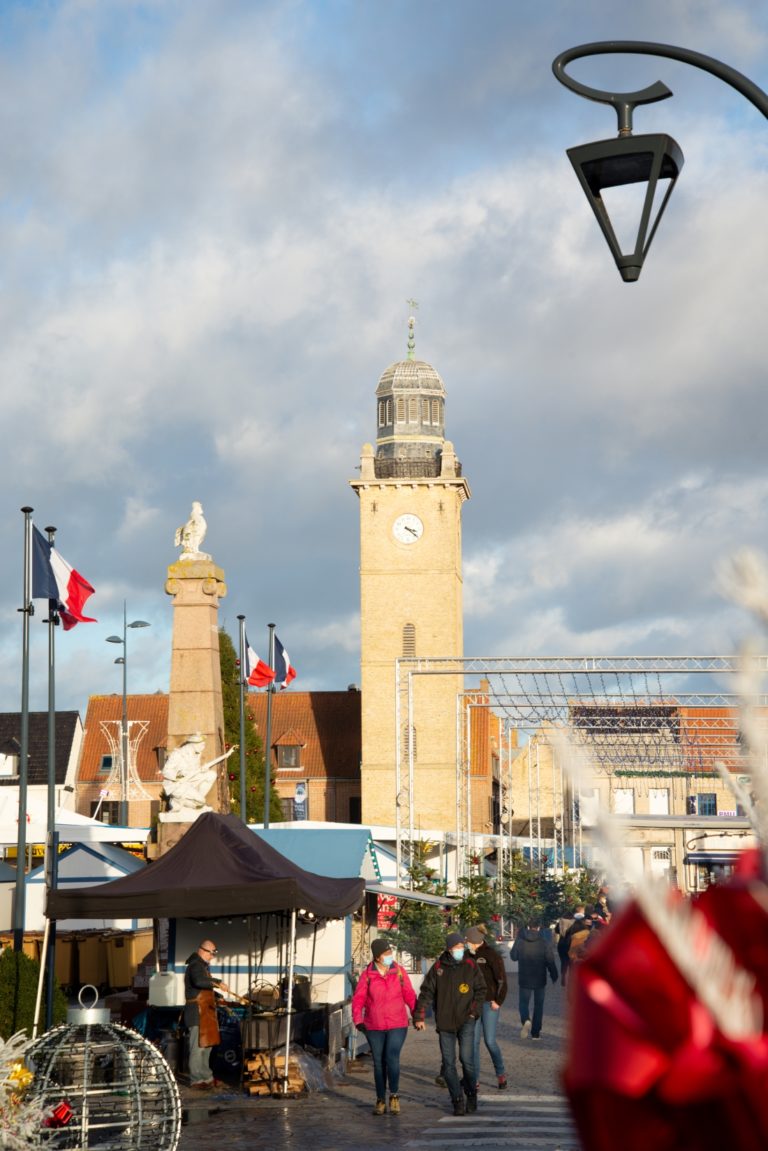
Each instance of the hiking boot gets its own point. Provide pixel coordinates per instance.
(458, 1107)
(380, 1107)
(440, 1081)
(471, 1104)
(502, 1083)
(525, 1030)
(394, 1104)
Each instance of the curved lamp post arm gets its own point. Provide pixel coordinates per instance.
(625, 102)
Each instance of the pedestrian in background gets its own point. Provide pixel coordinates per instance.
(562, 927)
(454, 988)
(383, 997)
(491, 965)
(535, 958)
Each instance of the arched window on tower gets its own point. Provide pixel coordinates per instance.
(382, 413)
(413, 410)
(435, 411)
(409, 640)
(388, 417)
(425, 412)
(400, 409)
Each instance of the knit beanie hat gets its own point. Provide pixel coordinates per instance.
(453, 940)
(378, 947)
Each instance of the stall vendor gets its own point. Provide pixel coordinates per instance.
(200, 1014)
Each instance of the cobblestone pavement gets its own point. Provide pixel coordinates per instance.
(530, 1113)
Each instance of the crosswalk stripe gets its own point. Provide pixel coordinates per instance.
(514, 1122)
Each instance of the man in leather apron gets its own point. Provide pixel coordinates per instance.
(200, 1014)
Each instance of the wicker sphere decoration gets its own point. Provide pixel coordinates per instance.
(110, 1088)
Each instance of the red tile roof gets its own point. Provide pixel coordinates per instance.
(325, 724)
(151, 708)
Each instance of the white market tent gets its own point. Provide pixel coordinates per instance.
(70, 825)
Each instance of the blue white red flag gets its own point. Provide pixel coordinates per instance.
(284, 673)
(257, 673)
(54, 579)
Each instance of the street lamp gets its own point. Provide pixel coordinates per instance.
(632, 159)
(123, 659)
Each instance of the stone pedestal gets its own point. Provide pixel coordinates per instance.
(195, 703)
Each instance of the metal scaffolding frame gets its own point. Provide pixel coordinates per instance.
(627, 711)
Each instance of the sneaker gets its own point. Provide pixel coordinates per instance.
(535, 1038)
(380, 1107)
(525, 1030)
(502, 1083)
(394, 1104)
(471, 1104)
(440, 1081)
(458, 1107)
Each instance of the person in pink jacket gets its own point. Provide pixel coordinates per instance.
(383, 997)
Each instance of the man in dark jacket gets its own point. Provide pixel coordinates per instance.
(534, 958)
(491, 965)
(454, 988)
(200, 1014)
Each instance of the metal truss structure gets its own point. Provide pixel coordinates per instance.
(112, 729)
(641, 717)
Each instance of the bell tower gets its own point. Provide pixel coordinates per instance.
(411, 492)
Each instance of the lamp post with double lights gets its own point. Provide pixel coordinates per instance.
(123, 659)
(628, 159)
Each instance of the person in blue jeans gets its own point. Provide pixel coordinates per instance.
(455, 989)
(491, 964)
(535, 958)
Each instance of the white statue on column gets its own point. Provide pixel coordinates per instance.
(187, 781)
(191, 535)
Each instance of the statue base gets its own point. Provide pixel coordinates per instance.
(189, 815)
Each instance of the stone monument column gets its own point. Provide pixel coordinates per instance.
(195, 711)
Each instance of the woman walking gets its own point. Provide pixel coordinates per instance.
(383, 997)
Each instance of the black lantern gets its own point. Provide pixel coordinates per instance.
(629, 160)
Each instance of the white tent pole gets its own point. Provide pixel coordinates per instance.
(41, 977)
(289, 1001)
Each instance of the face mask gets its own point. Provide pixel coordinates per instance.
(457, 953)
(387, 960)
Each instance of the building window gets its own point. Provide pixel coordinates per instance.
(413, 410)
(658, 800)
(105, 812)
(703, 804)
(355, 809)
(400, 409)
(624, 801)
(388, 417)
(106, 764)
(409, 641)
(382, 413)
(425, 417)
(289, 758)
(287, 806)
(587, 806)
(436, 412)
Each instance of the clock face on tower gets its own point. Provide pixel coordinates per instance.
(408, 528)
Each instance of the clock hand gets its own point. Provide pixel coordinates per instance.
(411, 530)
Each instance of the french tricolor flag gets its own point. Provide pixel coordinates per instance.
(283, 672)
(54, 579)
(257, 673)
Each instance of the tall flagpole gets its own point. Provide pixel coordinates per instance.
(52, 841)
(27, 609)
(268, 747)
(243, 689)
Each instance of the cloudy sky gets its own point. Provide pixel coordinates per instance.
(212, 213)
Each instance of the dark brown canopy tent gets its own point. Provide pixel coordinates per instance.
(218, 868)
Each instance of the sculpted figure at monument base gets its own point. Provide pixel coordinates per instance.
(187, 782)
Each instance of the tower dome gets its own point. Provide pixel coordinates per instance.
(410, 409)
